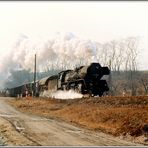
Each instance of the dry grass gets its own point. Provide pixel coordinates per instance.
(115, 115)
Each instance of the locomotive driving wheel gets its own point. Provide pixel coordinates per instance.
(90, 93)
(78, 88)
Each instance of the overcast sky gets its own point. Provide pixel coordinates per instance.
(99, 21)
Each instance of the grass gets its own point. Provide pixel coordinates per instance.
(114, 115)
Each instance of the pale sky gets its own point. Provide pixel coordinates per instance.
(99, 21)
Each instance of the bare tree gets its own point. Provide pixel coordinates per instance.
(145, 84)
(132, 44)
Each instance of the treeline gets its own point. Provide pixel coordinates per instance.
(128, 83)
(118, 55)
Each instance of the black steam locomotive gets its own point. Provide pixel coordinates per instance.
(84, 79)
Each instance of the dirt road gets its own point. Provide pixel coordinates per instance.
(24, 129)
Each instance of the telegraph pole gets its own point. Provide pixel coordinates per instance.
(34, 91)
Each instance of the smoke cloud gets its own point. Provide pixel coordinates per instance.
(63, 51)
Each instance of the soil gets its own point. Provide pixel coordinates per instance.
(105, 121)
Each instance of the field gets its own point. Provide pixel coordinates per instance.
(119, 116)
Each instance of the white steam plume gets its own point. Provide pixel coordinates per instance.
(62, 51)
(62, 94)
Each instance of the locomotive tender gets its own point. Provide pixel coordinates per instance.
(84, 79)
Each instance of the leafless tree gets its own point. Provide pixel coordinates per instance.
(144, 82)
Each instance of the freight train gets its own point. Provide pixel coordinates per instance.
(83, 79)
(21, 91)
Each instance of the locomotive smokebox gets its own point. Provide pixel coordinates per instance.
(97, 69)
(105, 70)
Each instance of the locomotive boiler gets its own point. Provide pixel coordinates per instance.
(84, 79)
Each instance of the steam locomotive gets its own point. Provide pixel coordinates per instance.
(83, 79)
